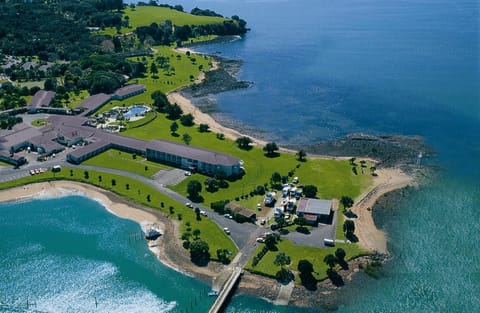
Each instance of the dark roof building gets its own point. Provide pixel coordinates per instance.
(128, 91)
(93, 103)
(41, 99)
(192, 158)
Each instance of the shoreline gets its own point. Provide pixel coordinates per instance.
(168, 247)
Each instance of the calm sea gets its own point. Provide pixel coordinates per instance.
(321, 69)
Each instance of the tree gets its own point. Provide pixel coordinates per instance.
(187, 119)
(203, 128)
(174, 127)
(271, 241)
(347, 202)
(186, 138)
(211, 184)
(306, 269)
(199, 252)
(85, 175)
(281, 260)
(222, 256)
(301, 154)
(193, 189)
(340, 254)
(270, 148)
(114, 182)
(276, 177)
(330, 260)
(160, 100)
(349, 228)
(310, 191)
(173, 111)
(244, 143)
(196, 233)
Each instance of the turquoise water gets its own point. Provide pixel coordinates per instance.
(71, 255)
(325, 69)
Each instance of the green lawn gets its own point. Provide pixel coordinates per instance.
(138, 192)
(146, 15)
(185, 68)
(5, 164)
(125, 161)
(39, 122)
(297, 253)
(333, 178)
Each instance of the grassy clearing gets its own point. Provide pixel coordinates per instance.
(126, 162)
(297, 253)
(185, 67)
(39, 122)
(4, 164)
(137, 192)
(146, 15)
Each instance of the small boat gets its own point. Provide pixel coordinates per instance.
(213, 293)
(152, 233)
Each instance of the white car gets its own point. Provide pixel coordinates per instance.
(189, 205)
(261, 239)
(188, 173)
(228, 215)
(226, 230)
(204, 213)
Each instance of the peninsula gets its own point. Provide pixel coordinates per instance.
(108, 121)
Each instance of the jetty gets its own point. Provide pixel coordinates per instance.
(226, 289)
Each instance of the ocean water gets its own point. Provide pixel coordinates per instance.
(320, 70)
(71, 255)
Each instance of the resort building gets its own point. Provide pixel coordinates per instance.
(315, 210)
(128, 91)
(92, 103)
(65, 131)
(40, 100)
(192, 158)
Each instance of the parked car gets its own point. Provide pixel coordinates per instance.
(204, 213)
(261, 239)
(226, 230)
(228, 215)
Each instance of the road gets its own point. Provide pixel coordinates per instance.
(240, 233)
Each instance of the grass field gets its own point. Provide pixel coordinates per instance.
(138, 192)
(297, 253)
(146, 15)
(125, 161)
(185, 67)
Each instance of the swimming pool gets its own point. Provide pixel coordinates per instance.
(137, 110)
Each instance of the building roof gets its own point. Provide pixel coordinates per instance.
(189, 152)
(19, 136)
(42, 98)
(237, 208)
(129, 89)
(93, 102)
(314, 206)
